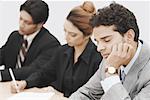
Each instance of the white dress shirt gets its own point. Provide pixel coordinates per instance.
(29, 39)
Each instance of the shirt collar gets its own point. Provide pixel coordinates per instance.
(128, 67)
(87, 52)
(31, 36)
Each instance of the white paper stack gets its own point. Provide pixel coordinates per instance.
(32, 96)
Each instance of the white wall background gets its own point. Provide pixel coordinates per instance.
(9, 16)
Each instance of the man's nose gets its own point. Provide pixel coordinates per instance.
(100, 47)
(21, 24)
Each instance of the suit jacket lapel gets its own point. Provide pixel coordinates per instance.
(133, 73)
(132, 76)
(33, 46)
(16, 49)
(102, 68)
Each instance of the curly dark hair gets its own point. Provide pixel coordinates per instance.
(117, 15)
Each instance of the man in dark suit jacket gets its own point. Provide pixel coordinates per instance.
(40, 43)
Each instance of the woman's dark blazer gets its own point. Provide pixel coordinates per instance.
(53, 72)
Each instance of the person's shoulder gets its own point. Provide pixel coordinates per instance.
(145, 45)
(144, 62)
(14, 34)
(64, 47)
(48, 36)
(144, 73)
(45, 31)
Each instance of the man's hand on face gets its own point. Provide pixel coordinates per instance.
(121, 54)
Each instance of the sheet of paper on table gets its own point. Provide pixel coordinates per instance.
(32, 96)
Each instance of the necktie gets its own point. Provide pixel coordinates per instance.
(23, 52)
(122, 76)
(24, 47)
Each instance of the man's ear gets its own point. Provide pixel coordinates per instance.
(129, 36)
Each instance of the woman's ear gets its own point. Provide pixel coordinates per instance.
(129, 36)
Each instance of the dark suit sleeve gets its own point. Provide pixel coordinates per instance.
(45, 76)
(36, 65)
(2, 49)
(24, 72)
